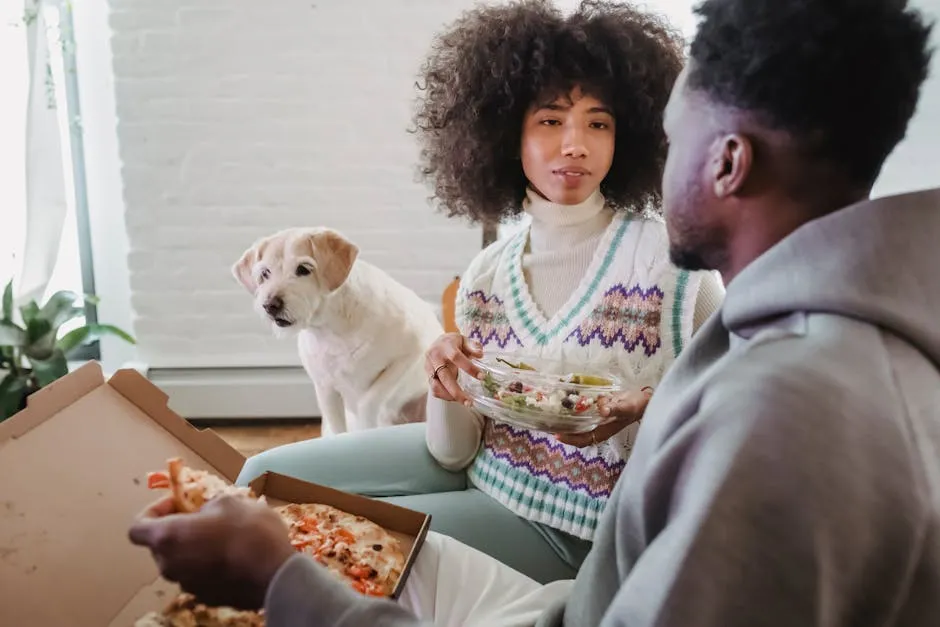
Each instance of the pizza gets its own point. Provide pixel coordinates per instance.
(192, 488)
(351, 547)
(185, 611)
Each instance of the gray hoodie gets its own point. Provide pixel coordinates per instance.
(788, 469)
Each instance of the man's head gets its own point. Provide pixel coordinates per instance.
(786, 111)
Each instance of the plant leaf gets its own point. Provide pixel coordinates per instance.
(89, 333)
(11, 334)
(60, 308)
(65, 315)
(12, 392)
(29, 311)
(48, 370)
(108, 329)
(40, 338)
(73, 339)
(8, 302)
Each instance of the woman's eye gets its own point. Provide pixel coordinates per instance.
(600, 125)
(265, 274)
(550, 122)
(303, 271)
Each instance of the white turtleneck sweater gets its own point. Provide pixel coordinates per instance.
(561, 246)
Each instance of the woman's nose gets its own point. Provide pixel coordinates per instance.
(573, 144)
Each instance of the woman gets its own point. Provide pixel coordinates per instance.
(526, 110)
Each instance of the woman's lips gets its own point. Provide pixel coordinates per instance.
(571, 177)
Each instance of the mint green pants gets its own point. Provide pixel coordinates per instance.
(393, 464)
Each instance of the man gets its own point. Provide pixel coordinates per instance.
(789, 466)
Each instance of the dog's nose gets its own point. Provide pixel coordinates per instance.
(274, 305)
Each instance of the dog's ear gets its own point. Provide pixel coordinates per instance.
(242, 269)
(335, 256)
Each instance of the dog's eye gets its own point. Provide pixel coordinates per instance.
(303, 271)
(264, 275)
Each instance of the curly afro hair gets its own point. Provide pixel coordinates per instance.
(493, 63)
(843, 77)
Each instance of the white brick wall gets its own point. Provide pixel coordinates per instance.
(237, 118)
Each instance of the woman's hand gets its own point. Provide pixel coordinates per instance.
(449, 354)
(622, 410)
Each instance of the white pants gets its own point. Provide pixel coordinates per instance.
(454, 585)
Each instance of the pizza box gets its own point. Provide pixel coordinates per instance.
(74, 465)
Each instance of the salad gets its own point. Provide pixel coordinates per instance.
(519, 393)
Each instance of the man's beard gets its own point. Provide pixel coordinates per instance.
(695, 242)
(687, 259)
(698, 248)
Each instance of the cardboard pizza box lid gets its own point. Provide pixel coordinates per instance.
(74, 465)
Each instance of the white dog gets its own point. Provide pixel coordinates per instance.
(362, 335)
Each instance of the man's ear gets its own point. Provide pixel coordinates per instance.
(242, 270)
(732, 165)
(335, 256)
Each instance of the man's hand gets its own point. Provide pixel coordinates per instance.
(225, 554)
(622, 410)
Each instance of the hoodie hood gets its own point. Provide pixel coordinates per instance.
(876, 261)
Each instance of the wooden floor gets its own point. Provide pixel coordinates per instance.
(252, 438)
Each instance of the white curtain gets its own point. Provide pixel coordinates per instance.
(13, 86)
(46, 201)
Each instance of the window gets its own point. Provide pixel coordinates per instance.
(41, 130)
(74, 269)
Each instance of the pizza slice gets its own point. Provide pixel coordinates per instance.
(185, 611)
(352, 548)
(192, 488)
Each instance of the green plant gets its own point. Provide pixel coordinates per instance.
(32, 354)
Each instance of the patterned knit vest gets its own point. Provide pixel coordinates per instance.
(632, 312)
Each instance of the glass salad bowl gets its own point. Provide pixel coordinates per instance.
(540, 394)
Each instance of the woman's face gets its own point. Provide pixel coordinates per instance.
(567, 147)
